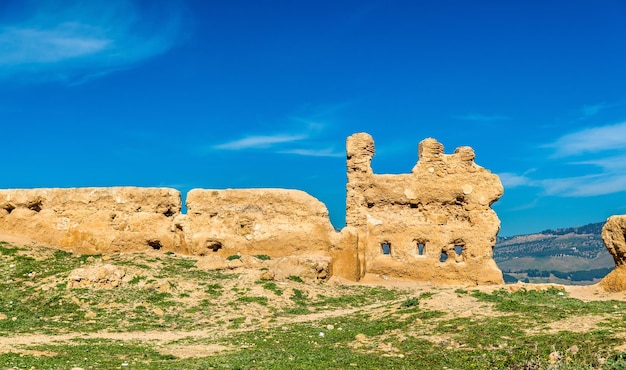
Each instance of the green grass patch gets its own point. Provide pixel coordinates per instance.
(295, 278)
(546, 305)
(271, 286)
(253, 299)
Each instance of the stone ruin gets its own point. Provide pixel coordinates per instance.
(614, 238)
(434, 224)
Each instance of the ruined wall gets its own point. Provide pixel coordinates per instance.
(398, 225)
(94, 220)
(406, 223)
(614, 238)
(275, 222)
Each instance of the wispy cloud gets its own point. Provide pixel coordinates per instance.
(75, 41)
(603, 173)
(307, 132)
(593, 109)
(259, 142)
(482, 117)
(510, 180)
(585, 186)
(327, 152)
(591, 140)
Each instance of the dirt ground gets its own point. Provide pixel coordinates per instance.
(444, 299)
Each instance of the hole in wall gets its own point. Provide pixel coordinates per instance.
(386, 248)
(420, 249)
(35, 205)
(458, 249)
(443, 257)
(213, 245)
(413, 205)
(370, 205)
(9, 208)
(113, 216)
(168, 213)
(155, 244)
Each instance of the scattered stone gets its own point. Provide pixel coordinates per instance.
(573, 349)
(100, 277)
(267, 275)
(90, 315)
(360, 337)
(3, 316)
(554, 357)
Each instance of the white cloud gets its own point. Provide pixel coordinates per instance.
(511, 180)
(76, 41)
(591, 140)
(482, 117)
(328, 152)
(593, 109)
(585, 186)
(611, 164)
(602, 172)
(259, 142)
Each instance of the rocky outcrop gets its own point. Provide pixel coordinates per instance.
(94, 220)
(275, 222)
(434, 224)
(614, 238)
(100, 277)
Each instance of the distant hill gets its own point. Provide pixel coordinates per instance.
(574, 255)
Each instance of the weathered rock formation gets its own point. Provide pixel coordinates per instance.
(94, 220)
(398, 225)
(103, 277)
(434, 224)
(614, 238)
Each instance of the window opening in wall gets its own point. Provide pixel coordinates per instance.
(458, 249)
(386, 247)
(420, 249)
(443, 257)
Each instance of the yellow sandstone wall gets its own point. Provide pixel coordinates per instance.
(94, 220)
(444, 205)
(405, 222)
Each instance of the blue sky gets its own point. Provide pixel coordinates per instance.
(231, 94)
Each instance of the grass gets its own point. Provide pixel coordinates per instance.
(546, 305)
(283, 325)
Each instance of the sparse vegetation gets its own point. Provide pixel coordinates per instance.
(295, 278)
(187, 311)
(411, 302)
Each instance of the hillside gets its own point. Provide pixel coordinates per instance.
(574, 255)
(157, 310)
